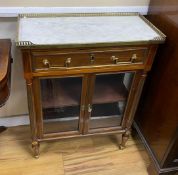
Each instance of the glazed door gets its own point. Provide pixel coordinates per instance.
(108, 99)
(62, 99)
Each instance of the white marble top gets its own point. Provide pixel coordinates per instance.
(84, 30)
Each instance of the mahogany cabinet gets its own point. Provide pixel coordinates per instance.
(157, 117)
(5, 72)
(87, 85)
(5, 69)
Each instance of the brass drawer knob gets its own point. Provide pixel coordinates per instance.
(46, 63)
(134, 58)
(115, 59)
(68, 62)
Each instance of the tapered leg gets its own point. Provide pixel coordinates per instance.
(118, 139)
(125, 138)
(36, 147)
(32, 115)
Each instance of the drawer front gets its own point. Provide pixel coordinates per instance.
(120, 57)
(61, 61)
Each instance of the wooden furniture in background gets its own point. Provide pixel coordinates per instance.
(157, 117)
(79, 86)
(5, 70)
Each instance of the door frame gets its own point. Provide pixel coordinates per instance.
(38, 107)
(129, 103)
(88, 81)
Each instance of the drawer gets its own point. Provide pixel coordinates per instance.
(59, 61)
(119, 57)
(93, 58)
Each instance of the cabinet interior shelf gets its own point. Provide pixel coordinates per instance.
(66, 93)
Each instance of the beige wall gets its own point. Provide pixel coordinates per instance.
(17, 103)
(69, 3)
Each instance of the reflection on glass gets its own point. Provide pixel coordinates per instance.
(109, 99)
(61, 104)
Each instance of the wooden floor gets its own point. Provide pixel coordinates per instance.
(98, 155)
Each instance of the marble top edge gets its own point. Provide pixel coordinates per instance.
(40, 15)
(157, 38)
(29, 44)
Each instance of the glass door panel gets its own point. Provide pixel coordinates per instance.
(61, 99)
(110, 99)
